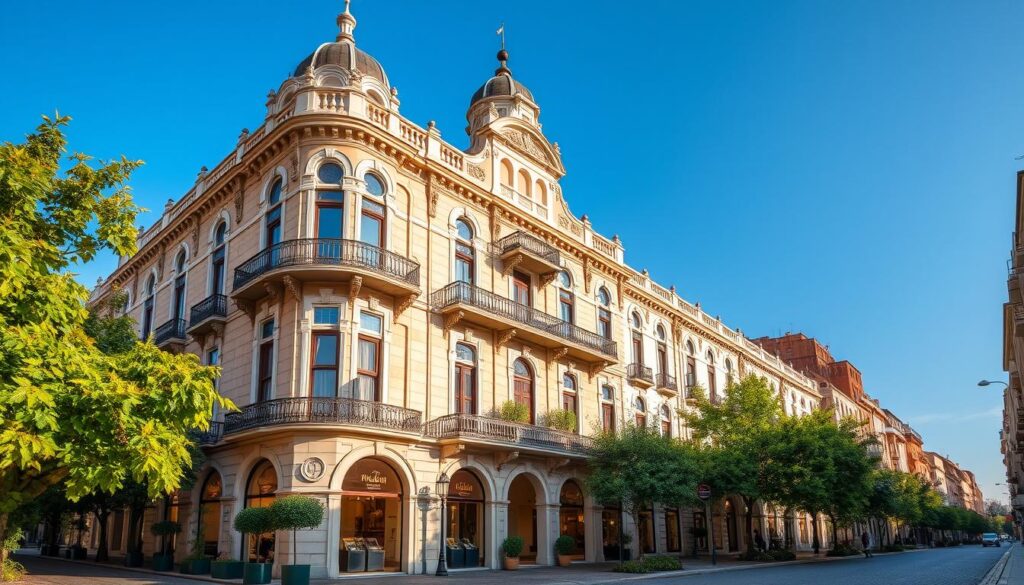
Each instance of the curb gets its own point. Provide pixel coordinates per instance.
(995, 574)
(144, 570)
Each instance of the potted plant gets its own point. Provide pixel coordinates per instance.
(77, 552)
(164, 560)
(564, 545)
(512, 411)
(196, 563)
(226, 568)
(562, 420)
(293, 513)
(255, 522)
(698, 533)
(627, 552)
(511, 549)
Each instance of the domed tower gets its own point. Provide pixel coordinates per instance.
(356, 77)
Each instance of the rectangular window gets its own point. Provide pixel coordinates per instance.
(638, 348)
(369, 369)
(521, 288)
(712, 384)
(213, 359)
(218, 271)
(604, 323)
(326, 316)
(371, 322)
(569, 402)
(179, 297)
(465, 388)
(672, 541)
(273, 226)
(608, 418)
(371, 224)
(147, 318)
(662, 359)
(324, 375)
(565, 305)
(463, 263)
(265, 381)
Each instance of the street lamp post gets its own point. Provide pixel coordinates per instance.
(984, 383)
(442, 557)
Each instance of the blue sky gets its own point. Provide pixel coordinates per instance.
(845, 169)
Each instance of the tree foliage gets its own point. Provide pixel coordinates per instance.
(70, 412)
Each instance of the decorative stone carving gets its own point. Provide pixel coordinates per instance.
(596, 368)
(246, 307)
(588, 274)
(403, 305)
(195, 236)
(239, 205)
(476, 171)
(353, 288)
(355, 77)
(546, 279)
(452, 320)
(511, 263)
(312, 469)
(293, 287)
(505, 336)
(527, 144)
(559, 353)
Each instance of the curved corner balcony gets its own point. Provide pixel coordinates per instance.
(326, 259)
(490, 433)
(461, 300)
(323, 411)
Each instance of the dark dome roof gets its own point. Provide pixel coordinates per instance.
(345, 55)
(501, 84)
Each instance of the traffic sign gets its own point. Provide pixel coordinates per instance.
(704, 491)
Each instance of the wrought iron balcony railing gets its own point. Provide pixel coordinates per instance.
(463, 292)
(211, 306)
(665, 381)
(211, 435)
(173, 329)
(283, 411)
(640, 372)
(502, 431)
(328, 252)
(528, 243)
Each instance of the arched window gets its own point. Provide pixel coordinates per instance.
(540, 192)
(666, 420)
(272, 219)
(712, 378)
(691, 368)
(523, 184)
(218, 260)
(569, 394)
(506, 172)
(607, 409)
(329, 210)
(566, 301)
(637, 338)
(331, 173)
(373, 222)
(522, 382)
(662, 357)
(374, 185)
(259, 493)
(641, 412)
(660, 331)
(178, 306)
(729, 375)
(604, 314)
(465, 253)
(147, 306)
(465, 379)
(209, 512)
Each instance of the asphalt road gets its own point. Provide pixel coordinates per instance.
(954, 566)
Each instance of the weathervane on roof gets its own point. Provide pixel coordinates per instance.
(500, 32)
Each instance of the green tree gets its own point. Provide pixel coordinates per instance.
(639, 467)
(71, 413)
(820, 467)
(733, 434)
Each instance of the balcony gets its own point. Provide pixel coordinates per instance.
(1018, 321)
(690, 382)
(522, 250)
(326, 411)
(171, 335)
(461, 300)
(666, 384)
(490, 432)
(640, 375)
(209, 436)
(208, 314)
(326, 259)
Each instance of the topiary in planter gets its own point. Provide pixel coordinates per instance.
(257, 522)
(562, 420)
(164, 560)
(564, 545)
(294, 513)
(511, 548)
(512, 411)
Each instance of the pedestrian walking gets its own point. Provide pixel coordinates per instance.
(759, 540)
(865, 540)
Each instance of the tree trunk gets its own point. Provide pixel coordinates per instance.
(748, 522)
(102, 555)
(835, 531)
(3, 536)
(814, 527)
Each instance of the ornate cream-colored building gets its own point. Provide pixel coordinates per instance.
(374, 294)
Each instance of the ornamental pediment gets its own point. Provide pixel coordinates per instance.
(533, 145)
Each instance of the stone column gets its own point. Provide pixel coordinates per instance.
(547, 532)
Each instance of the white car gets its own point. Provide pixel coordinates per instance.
(990, 539)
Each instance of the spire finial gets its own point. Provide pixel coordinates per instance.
(346, 23)
(502, 54)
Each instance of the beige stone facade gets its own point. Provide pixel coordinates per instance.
(374, 295)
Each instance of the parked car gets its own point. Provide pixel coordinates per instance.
(990, 539)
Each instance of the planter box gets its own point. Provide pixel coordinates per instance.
(510, 563)
(227, 569)
(78, 553)
(564, 560)
(194, 567)
(257, 573)
(294, 574)
(134, 559)
(163, 562)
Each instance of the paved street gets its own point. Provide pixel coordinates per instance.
(957, 566)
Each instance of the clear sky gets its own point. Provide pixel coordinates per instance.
(845, 169)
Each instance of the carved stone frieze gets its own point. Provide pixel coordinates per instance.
(293, 287)
(527, 144)
(476, 171)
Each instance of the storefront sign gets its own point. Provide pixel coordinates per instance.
(465, 486)
(371, 475)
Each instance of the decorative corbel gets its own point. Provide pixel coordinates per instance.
(247, 307)
(433, 194)
(449, 451)
(452, 319)
(588, 274)
(217, 328)
(618, 289)
(509, 265)
(495, 226)
(273, 292)
(353, 288)
(293, 287)
(559, 353)
(556, 464)
(239, 206)
(160, 263)
(195, 235)
(506, 336)
(546, 279)
(504, 459)
(404, 305)
(596, 368)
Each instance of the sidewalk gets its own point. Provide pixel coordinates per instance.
(1009, 570)
(576, 574)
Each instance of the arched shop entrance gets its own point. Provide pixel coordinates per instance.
(466, 521)
(611, 519)
(732, 535)
(522, 516)
(371, 510)
(259, 493)
(209, 513)
(570, 516)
